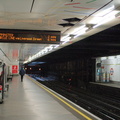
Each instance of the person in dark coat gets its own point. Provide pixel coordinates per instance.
(22, 73)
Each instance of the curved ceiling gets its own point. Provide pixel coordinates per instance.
(47, 15)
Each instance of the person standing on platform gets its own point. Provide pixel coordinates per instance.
(22, 73)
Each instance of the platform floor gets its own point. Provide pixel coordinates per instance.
(109, 84)
(29, 100)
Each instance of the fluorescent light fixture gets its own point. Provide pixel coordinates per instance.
(56, 46)
(30, 58)
(118, 56)
(36, 55)
(64, 38)
(45, 50)
(42, 52)
(77, 29)
(33, 57)
(39, 53)
(106, 11)
(107, 18)
(25, 62)
(95, 20)
(111, 57)
(81, 32)
(104, 21)
(103, 58)
(50, 48)
(77, 32)
(65, 41)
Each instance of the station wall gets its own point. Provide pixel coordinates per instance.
(109, 69)
(10, 65)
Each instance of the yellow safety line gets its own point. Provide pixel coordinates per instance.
(82, 114)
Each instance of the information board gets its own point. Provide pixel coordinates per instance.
(29, 36)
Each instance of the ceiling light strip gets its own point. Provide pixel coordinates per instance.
(106, 18)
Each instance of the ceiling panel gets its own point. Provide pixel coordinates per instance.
(46, 14)
(15, 5)
(45, 6)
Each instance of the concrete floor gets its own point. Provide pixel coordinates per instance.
(110, 84)
(28, 101)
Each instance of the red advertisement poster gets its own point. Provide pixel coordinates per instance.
(14, 69)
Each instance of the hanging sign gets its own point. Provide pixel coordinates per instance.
(29, 36)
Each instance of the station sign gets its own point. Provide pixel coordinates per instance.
(29, 36)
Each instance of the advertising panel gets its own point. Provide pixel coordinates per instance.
(14, 69)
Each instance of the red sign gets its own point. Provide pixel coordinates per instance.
(15, 69)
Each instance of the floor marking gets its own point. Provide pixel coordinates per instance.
(82, 114)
